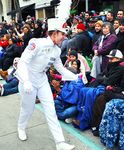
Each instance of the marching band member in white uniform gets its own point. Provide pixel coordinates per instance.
(36, 59)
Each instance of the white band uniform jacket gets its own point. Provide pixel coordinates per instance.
(36, 59)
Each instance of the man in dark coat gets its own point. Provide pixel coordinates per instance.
(2, 30)
(64, 49)
(27, 36)
(120, 35)
(11, 52)
(81, 41)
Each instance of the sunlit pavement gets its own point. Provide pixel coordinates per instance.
(39, 136)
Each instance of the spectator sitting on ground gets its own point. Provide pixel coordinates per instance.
(66, 101)
(112, 125)
(11, 85)
(12, 51)
(113, 79)
(27, 36)
(73, 55)
(4, 41)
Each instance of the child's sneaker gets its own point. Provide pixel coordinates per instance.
(68, 120)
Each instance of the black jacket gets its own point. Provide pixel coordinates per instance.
(81, 42)
(112, 76)
(120, 42)
(27, 36)
(11, 52)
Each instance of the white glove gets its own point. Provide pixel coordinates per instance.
(28, 88)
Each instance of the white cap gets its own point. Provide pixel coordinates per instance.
(115, 53)
(56, 24)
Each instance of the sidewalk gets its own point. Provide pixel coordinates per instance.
(39, 137)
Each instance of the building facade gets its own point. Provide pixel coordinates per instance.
(5, 6)
(43, 9)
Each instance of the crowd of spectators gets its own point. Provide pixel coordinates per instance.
(93, 48)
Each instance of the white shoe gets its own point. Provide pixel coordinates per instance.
(22, 134)
(64, 146)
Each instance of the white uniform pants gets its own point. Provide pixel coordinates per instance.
(27, 108)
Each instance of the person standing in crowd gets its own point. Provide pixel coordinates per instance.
(105, 43)
(75, 22)
(2, 30)
(98, 31)
(120, 14)
(27, 36)
(120, 35)
(116, 26)
(81, 42)
(37, 30)
(87, 17)
(36, 59)
(110, 17)
(64, 49)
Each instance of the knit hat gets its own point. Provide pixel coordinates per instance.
(99, 22)
(74, 53)
(81, 26)
(115, 53)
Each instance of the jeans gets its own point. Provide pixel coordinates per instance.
(10, 87)
(63, 112)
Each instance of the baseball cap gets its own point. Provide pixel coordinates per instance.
(115, 53)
